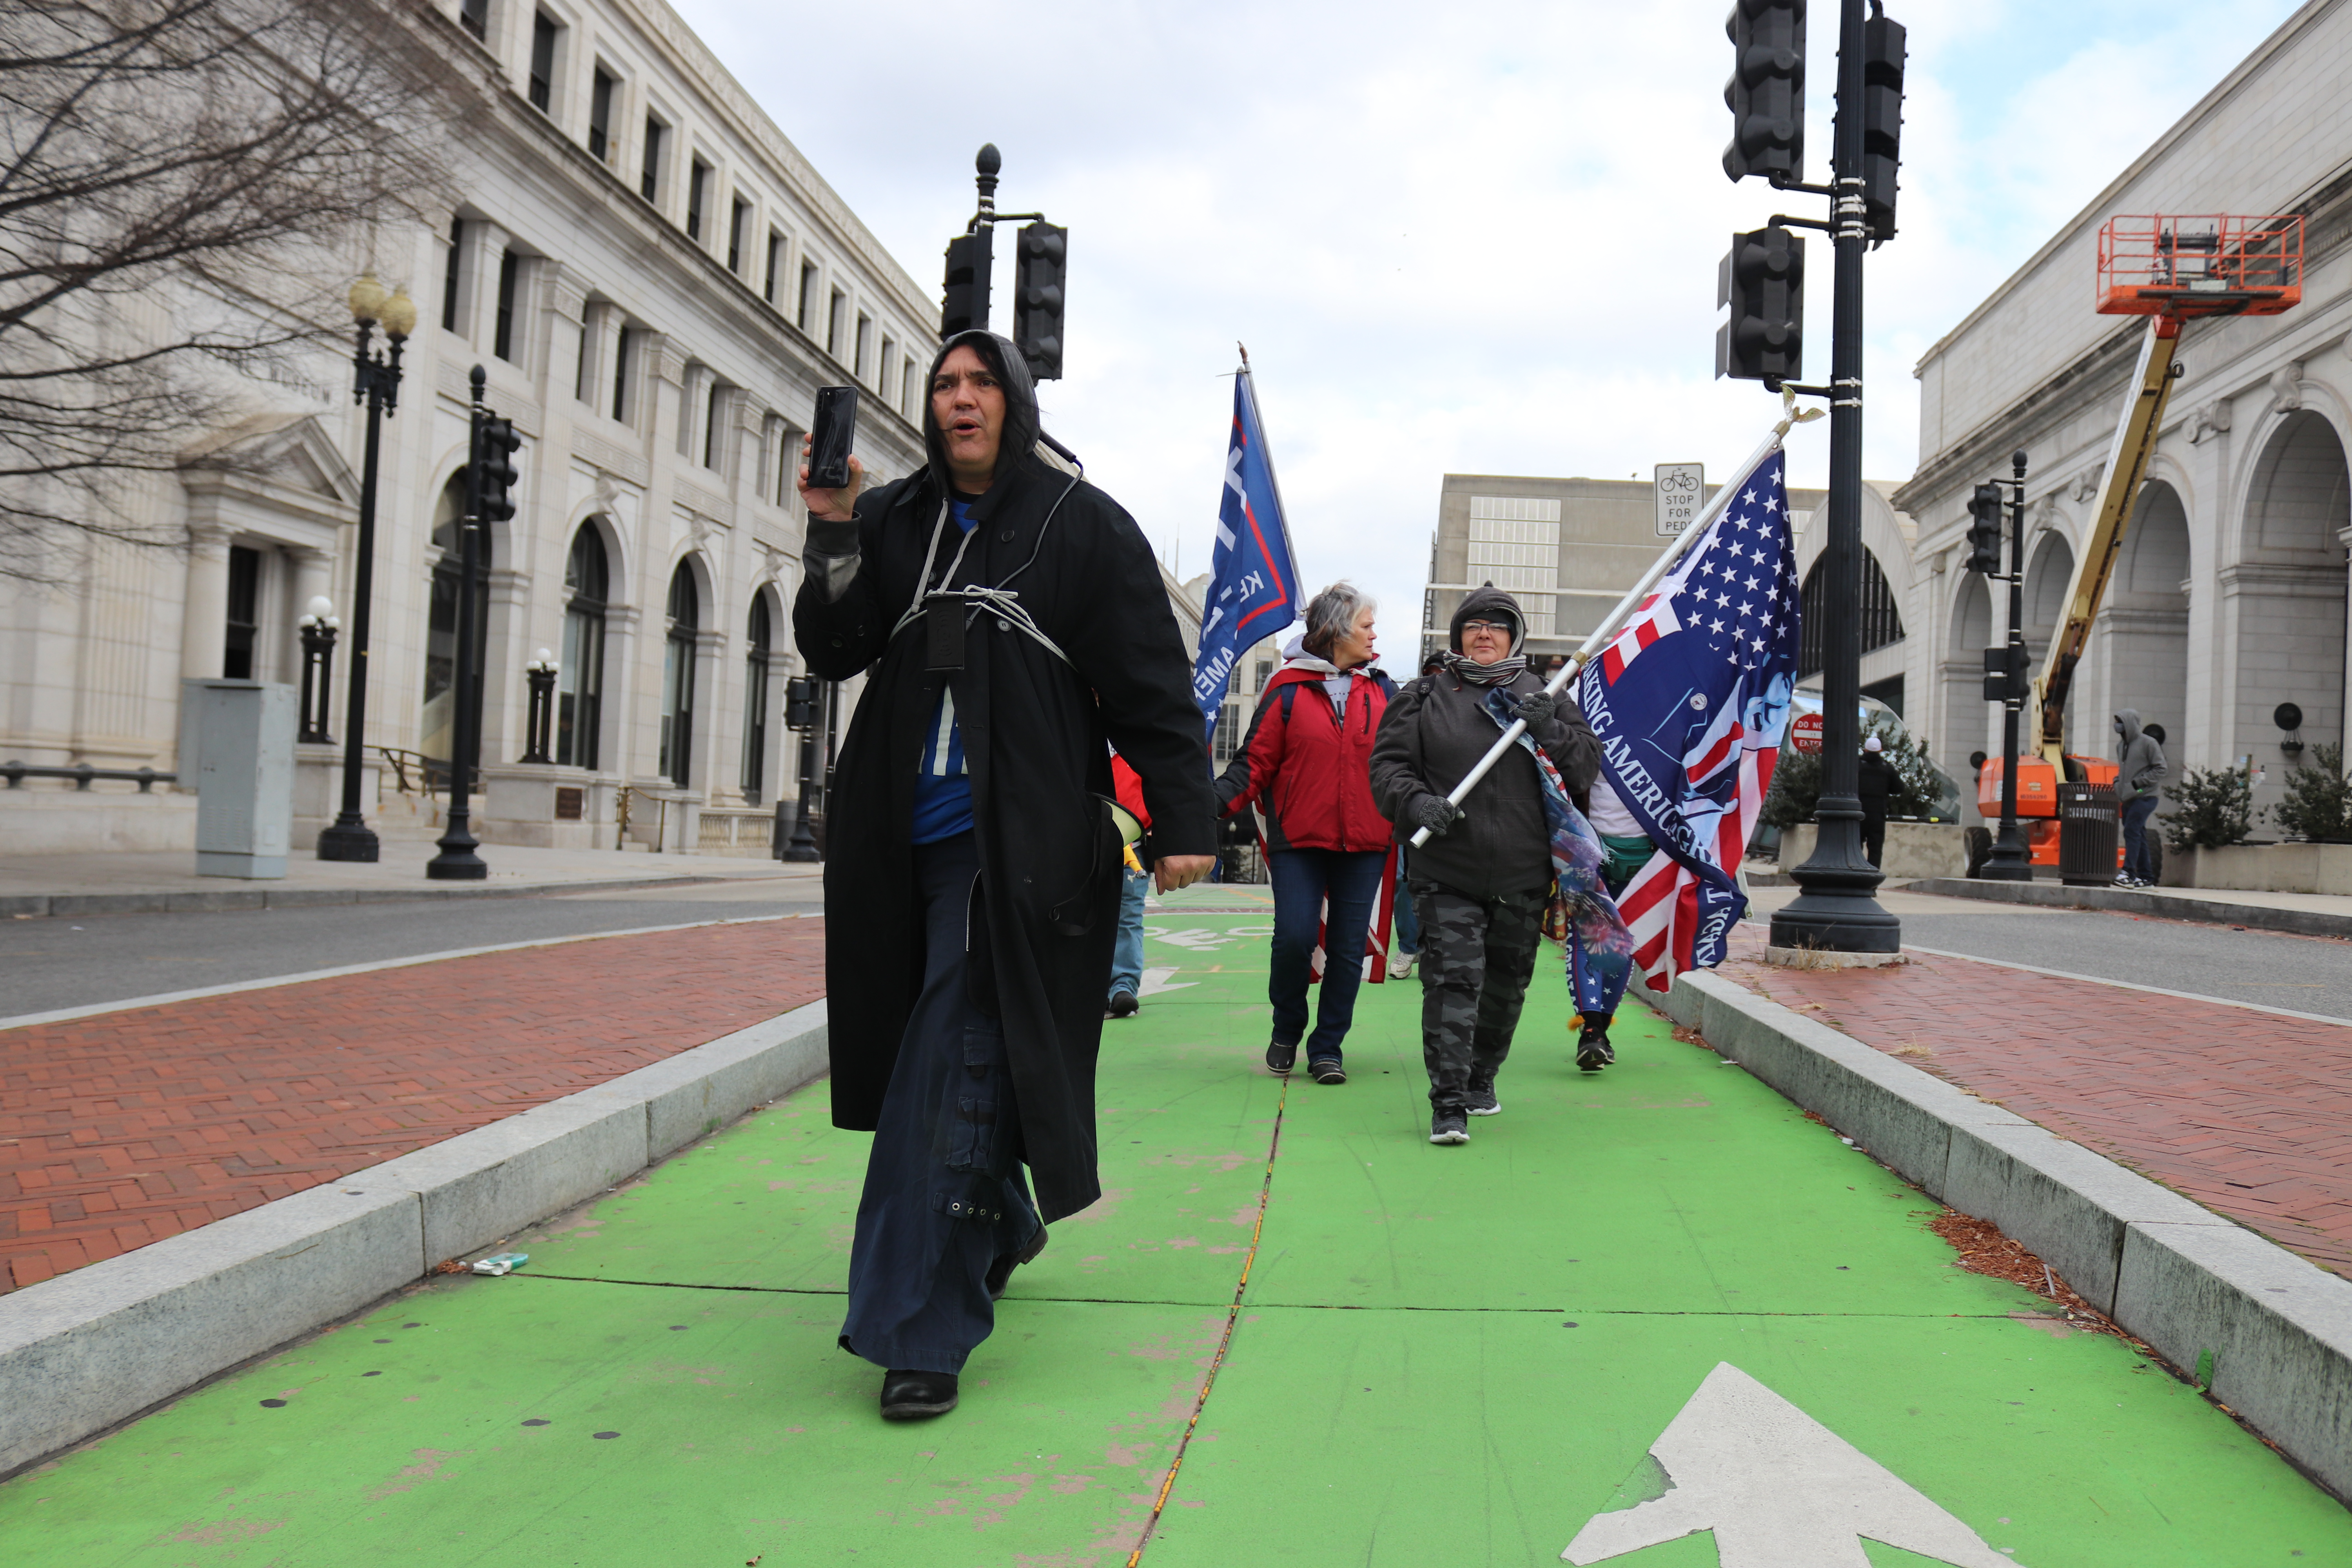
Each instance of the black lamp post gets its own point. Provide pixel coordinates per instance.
(1835, 909)
(376, 384)
(541, 673)
(2011, 859)
(459, 859)
(801, 709)
(319, 624)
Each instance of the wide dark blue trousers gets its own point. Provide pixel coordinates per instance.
(1303, 880)
(944, 1197)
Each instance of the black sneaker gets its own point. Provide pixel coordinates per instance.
(1326, 1069)
(1280, 1058)
(1447, 1125)
(914, 1396)
(1000, 1273)
(1479, 1100)
(1123, 1004)
(1594, 1051)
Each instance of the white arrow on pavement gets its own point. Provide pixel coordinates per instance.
(1779, 1490)
(1155, 981)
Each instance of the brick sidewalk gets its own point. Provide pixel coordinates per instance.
(2246, 1112)
(126, 1127)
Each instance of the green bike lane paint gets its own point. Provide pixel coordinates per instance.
(1655, 1313)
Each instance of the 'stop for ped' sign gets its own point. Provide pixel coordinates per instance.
(1682, 490)
(2214, 264)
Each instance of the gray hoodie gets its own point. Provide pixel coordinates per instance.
(2143, 766)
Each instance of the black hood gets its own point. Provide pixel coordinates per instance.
(1021, 424)
(1489, 603)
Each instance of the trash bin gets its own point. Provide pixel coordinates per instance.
(2087, 830)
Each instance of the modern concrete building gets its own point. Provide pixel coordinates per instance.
(656, 282)
(2230, 595)
(1567, 549)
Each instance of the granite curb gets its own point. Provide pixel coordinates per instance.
(2132, 902)
(91, 1349)
(2264, 1332)
(200, 900)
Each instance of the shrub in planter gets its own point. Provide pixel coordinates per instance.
(2211, 807)
(1796, 790)
(2318, 804)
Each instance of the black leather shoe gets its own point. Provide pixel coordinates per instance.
(1280, 1058)
(915, 1396)
(1000, 1273)
(1123, 1004)
(1326, 1069)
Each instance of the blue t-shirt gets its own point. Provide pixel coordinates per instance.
(942, 789)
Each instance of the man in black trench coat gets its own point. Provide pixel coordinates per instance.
(1010, 618)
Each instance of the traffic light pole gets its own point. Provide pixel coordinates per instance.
(460, 860)
(2011, 860)
(1835, 909)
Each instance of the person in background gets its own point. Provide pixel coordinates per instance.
(2138, 785)
(1484, 877)
(1306, 763)
(1408, 920)
(1873, 785)
(1126, 954)
(1629, 849)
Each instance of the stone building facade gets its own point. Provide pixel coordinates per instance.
(656, 282)
(2230, 596)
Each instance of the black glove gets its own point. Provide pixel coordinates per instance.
(1436, 814)
(1535, 708)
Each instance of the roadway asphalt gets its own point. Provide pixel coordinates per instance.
(2270, 969)
(86, 960)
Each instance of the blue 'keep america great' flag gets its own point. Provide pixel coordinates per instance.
(1253, 588)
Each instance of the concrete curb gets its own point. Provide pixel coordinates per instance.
(91, 1349)
(2129, 901)
(2268, 1334)
(201, 900)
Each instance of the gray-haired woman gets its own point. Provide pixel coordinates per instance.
(1307, 765)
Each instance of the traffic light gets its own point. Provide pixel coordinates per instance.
(1762, 279)
(1767, 89)
(1984, 530)
(1882, 120)
(2004, 672)
(1039, 272)
(800, 702)
(966, 299)
(496, 455)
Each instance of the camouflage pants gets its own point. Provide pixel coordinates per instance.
(1476, 955)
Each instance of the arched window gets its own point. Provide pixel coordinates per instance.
(580, 687)
(1882, 622)
(437, 724)
(678, 675)
(755, 698)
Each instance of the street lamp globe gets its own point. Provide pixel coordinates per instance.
(399, 316)
(368, 298)
(321, 611)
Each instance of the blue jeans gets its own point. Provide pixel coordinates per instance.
(1127, 953)
(2137, 861)
(1303, 879)
(1408, 918)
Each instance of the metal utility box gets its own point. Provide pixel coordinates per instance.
(244, 732)
(2087, 830)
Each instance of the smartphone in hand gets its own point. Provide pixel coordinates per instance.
(831, 441)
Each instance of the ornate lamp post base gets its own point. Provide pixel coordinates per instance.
(349, 838)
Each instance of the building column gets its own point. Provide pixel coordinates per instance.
(486, 248)
(203, 626)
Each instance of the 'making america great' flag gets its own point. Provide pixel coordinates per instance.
(1253, 589)
(1689, 702)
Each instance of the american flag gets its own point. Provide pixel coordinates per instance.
(1689, 702)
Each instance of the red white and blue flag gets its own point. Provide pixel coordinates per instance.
(1253, 588)
(1690, 701)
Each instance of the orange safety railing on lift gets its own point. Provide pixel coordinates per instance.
(2210, 264)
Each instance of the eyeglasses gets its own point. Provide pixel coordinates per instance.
(1469, 626)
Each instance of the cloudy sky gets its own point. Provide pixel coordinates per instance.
(1475, 238)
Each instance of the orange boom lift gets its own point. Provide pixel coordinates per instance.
(2171, 268)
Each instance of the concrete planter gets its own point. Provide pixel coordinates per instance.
(1914, 849)
(2264, 868)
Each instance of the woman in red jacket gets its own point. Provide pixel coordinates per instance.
(1307, 765)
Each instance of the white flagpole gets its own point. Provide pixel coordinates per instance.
(1614, 621)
